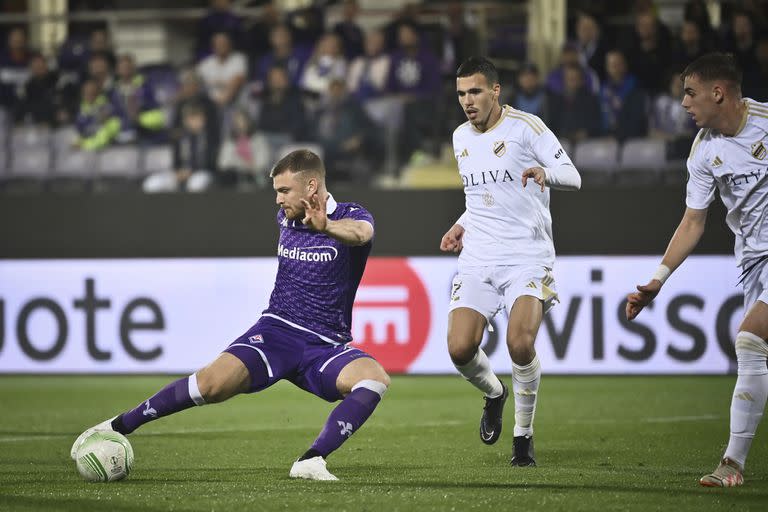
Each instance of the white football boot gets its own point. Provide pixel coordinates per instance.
(311, 469)
(104, 426)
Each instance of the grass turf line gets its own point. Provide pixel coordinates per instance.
(613, 443)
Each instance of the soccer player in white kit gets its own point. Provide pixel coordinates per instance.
(729, 154)
(505, 241)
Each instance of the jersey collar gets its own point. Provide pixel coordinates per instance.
(504, 110)
(330, 205)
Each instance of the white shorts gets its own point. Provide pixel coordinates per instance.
(489, 289)
(756, 286)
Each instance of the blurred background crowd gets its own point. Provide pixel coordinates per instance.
(369, 86)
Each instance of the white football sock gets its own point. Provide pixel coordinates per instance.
(749, 395)
(525, 384)
(478, 372)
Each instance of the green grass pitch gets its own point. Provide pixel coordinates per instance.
(602, 443)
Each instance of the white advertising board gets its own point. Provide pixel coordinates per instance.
(175, 315)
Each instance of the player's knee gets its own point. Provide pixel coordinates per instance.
(378, 383)
(213, 388)
(460, 350)
(521, 348)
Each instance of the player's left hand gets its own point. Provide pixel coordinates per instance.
(315, 215)
(538, 175)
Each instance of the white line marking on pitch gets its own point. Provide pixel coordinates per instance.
(660, 419)
(20, 439)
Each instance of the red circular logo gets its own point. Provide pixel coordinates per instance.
(391, 315)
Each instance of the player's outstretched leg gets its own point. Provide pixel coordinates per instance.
(362, 382)
(222, 379)
(524, 321)
(747, 406)
(465, 331)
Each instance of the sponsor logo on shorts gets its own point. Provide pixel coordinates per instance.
(315, 254)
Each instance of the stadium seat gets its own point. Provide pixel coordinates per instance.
(158, 159)
(597, 160)
(73, 164)
(32, 163)
(64, 139)
(642, 161)
(27, 170)
(31, 136)
(119, 162)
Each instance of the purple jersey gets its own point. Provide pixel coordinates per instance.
(317, 276)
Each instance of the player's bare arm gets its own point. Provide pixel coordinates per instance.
(346, 231)
(452, 239)
(685, 239)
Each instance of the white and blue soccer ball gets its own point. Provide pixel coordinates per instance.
(104, 457)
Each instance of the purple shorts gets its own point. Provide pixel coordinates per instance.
(273, 350)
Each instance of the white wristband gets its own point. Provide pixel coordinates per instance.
(662, 273)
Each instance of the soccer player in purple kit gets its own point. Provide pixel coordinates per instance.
(303, 334)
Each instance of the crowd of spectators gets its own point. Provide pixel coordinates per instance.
(254, 86)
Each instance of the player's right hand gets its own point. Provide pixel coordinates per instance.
(642, 297)
(452, 240)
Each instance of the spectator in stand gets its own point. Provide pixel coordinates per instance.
(134, 102)
(257, 31)
(195, 156)
(530, 96)
(741, 40)
(282, 116)
(327, 63)
(622, 101)
(415, 76)
(307, 24)
(96, 122)
(283, 54)
(349, 31)
(755, 83)
(219, 18)
(224, 72)
(575, 114)
(369, 73)
(346, 134)
(697, 12)
(99, 42)
(569, 55)
(407, 15)
(38, 103)
(460, 41)
(668, 119)
(591, 43)
(245, 154)
(192, 92)
(14, 67)
(100, 71)
(650, 51)
(691, 46)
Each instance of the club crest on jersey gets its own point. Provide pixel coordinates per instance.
(758, 150)
(499, 148)
(256, 338)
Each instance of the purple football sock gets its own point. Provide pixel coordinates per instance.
(176, 396)
(345, 420)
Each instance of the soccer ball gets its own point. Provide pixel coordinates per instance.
(104, 457)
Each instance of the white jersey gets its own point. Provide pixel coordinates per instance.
(506, 224)
(738, 167)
